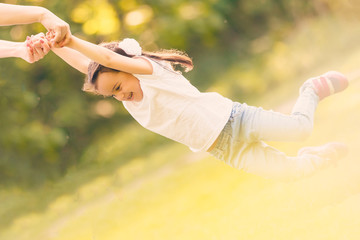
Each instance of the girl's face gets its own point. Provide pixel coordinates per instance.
(120, 85)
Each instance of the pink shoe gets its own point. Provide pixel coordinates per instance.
(327, 84)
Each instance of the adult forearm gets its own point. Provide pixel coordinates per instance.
(17, 14)
(10, 49)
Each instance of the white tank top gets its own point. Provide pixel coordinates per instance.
(174, 108)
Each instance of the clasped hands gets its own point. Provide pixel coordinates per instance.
(37, 46)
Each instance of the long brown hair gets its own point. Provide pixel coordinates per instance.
(174, 57)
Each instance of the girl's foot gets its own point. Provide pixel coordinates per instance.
(327, 84)
(331, 151)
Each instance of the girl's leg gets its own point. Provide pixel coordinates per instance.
(258, 124)
(263, 160)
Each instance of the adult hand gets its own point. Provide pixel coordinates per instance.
(36, 47)
(58, 27)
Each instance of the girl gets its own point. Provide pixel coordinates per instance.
(163, 101)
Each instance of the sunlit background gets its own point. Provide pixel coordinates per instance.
(76, 166)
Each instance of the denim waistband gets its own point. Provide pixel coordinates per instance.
(225, 136)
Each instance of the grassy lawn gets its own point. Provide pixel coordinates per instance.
(175, 194)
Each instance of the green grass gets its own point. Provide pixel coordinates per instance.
(175, 194)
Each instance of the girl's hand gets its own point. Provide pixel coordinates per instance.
(36, 47)
(51, 36)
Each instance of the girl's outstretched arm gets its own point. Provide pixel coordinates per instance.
(109, 58)
(17, 14)
(70, 56)
(73, 58)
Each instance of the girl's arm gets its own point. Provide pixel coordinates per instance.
(110, 59)
(17, 14)
(73, 58)
(22, 50)
(70, 56)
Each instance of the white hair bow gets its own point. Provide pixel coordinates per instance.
(130, 46)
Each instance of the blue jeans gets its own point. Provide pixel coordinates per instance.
(241, 142)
